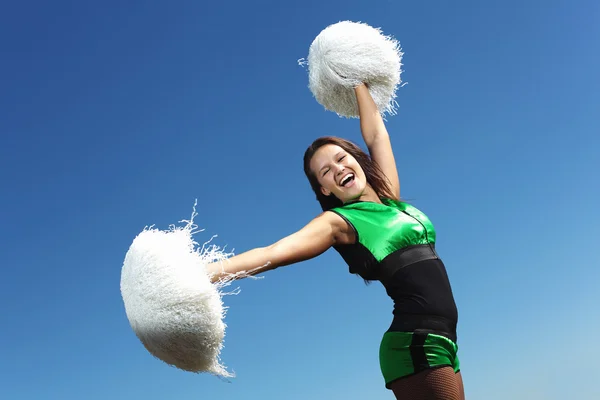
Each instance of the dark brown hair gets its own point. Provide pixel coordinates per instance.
(375, 176)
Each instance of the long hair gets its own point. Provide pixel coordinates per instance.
(375, 176)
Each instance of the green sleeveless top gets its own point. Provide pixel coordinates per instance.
(385, 228)
(421, 291)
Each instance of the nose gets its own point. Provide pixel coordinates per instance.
(339, 169)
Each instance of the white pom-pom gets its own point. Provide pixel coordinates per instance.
(346, 54)
(172, 306)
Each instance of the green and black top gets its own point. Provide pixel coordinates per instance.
(395, 244)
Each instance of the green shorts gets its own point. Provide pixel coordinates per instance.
(405, 353)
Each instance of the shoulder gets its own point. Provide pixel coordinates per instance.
(340, 228)
(333, 218)
(409, 207)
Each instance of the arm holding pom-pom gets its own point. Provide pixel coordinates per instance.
(376, 136)
(323, 232)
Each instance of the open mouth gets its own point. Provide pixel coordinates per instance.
(347, 180)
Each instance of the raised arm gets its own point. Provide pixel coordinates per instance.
(312, 240)
(376, 137)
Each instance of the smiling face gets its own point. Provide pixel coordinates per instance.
(338, 173)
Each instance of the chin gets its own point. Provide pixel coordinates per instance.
(358, 190)
(353, 193)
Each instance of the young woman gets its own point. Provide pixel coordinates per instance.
(383, 239)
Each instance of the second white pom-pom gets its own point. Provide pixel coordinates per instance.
(346, 54)
(171, 304)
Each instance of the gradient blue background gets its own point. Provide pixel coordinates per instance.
(117, 115)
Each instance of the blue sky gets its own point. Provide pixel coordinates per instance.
(118, 115)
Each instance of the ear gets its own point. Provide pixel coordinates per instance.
(325, 191)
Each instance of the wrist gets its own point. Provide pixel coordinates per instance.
(361, 87)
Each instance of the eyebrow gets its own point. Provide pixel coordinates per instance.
(335, 156)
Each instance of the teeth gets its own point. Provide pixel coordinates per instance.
(346, 179)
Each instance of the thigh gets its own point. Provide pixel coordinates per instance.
(432, 384)
(461, 387)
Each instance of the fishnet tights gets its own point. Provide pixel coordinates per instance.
(433, 384)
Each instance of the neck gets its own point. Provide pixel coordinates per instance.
(367, 195)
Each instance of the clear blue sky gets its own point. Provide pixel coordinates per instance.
(117, 115)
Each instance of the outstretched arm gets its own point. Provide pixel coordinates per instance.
(376, 137)
(312, 240)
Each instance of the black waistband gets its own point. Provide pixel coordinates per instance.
(405, 257)
(431, 323)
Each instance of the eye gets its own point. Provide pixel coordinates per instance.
(341, 158)
(325, 173)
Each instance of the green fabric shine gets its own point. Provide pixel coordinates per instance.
(385, 228)
(397, 350)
